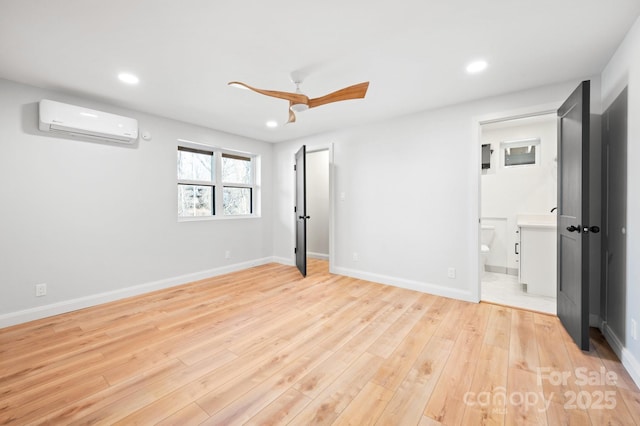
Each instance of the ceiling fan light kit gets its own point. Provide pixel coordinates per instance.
(299, 102)
(299, 107)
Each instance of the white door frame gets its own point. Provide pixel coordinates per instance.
(328, 147)
(475, 214)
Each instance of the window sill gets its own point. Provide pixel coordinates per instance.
(207, 218)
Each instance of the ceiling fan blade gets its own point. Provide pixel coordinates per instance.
(292, 97)
(357, 91)
(292, 117)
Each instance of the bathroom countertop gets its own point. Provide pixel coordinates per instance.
(537, 221)
(526, 224)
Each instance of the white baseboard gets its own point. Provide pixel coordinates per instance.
(284, 261)
(39, 312)
(630, 362)
(320, 256)
(438, 290)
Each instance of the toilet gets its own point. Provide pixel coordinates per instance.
(486, 238)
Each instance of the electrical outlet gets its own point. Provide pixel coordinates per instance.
(41, 290)
(634, 329)
(227, 254)
(451, 272)
(355, 256)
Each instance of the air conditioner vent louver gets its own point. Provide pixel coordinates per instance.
(75, 121)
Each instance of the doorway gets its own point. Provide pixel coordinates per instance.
(314, 208)
(518, 194)
(318, 201)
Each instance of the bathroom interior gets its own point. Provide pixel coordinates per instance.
(518, 216)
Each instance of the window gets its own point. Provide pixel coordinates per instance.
(520, 153)
(195, 182)
(215, 182)
(237, 179)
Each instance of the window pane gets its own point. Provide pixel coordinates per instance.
(236, 200)
(520, 156)
(236, 169)
(195, 200)
(195, 165)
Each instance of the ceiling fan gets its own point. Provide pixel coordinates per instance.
(299, 102)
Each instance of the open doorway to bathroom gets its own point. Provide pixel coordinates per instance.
(518, 196)
(318, 203)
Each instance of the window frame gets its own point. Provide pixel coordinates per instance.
(195, 182)
(537, 142)
(217, 183)
(223, 185)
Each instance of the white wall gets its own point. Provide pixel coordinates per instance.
(410, 185)
(509, 191)
(317, 167)
(624, 70)
(95, 220)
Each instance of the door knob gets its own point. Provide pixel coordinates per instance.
(573, 228)
(594, 229)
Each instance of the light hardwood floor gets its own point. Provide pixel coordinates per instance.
(265, 346)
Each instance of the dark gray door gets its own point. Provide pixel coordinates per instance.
(573, 215)
(614, 214)
(300, 211)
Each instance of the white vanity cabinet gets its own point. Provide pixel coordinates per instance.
(538, 257)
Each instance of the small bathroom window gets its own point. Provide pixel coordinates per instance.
(520, 153)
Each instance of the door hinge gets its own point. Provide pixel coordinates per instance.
(295, 209)
(295, 250)
(294, 167)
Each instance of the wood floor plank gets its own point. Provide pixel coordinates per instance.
(221, 397)
(192, 414)
(596, 388)
(260, 395)
(610, 360)
(409, 400)
(392, 337)
(282, 410)
(366, 407)
(499, 327)
(266, 346)
(486, 401)
(189, 388)
(632, 400)
(393, 371)
(91, 403)
(23, 380)
(428, 421)
(447, 404)
(522, 344)
(329, 403)
(558, 415)
(525, 399)
(477, 317)
(30, 410)
(555, 363)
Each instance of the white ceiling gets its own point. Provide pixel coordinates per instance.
(412, 51)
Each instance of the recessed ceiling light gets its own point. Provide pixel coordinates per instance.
(477, 66)
(272, 124)
(128, 78)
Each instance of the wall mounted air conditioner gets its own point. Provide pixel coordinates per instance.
(82, 122)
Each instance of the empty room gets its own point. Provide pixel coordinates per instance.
(340, 213)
